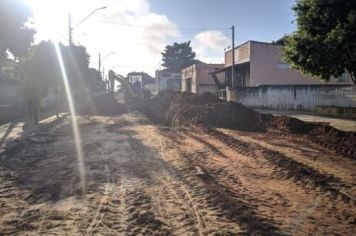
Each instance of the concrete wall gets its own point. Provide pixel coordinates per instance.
(297, 97)
(9, 94)
(11, 100)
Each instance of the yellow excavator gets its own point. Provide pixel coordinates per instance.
(133, 91)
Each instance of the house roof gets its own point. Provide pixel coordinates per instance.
(240, 63)
(250, 41)
(175, 71)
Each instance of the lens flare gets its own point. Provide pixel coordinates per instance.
(72, 111)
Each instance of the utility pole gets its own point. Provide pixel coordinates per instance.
(70, 29)
(99, 62)
(233, 57)
(103, 72)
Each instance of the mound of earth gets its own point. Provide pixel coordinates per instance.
(340, 141)
(291, 125)
(176, 109)
(185, 109)
(105, 105)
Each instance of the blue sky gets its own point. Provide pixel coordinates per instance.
(261, 20)
(138, 30)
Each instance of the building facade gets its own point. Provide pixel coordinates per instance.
(259, 63)
(167, 79)
(197, 78)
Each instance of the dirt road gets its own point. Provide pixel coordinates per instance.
(142, 178)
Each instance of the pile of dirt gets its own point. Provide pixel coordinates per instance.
(105, 105)
(221, 114)
(290, 125)
(185, 109)
(342, 142)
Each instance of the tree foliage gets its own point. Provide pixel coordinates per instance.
(16, 36)
(281, 41)
(178, 56)
(324, 44)
(96, 82)
(43, 68)
(76, 61)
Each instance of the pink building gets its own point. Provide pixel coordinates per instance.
(196, 78)
(258, 63)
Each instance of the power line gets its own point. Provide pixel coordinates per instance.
(161, 28)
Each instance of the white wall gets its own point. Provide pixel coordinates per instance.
(10, 101)
(297, 97)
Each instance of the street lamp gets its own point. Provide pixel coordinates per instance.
(108, 54)
(70, 28)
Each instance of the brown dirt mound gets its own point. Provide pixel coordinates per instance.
(342, 142)
(105, 105)
(291, 125)
(222, 114)
(327, 136)
(175, 109)
(184, 109)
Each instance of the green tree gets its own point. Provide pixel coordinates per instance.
(42, 67)
(178, 56)
(76, 61)
(281, 41)
(16, 35)
(96, 82)
(324, 44)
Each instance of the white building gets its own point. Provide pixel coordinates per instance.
(168, 79)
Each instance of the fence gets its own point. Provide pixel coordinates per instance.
(298, 97)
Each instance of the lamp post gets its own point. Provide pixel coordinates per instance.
(70, 28)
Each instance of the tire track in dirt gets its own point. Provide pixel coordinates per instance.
(182, 202)
(99, 212)
(308, 154)
(213, 166)
(162, 199)
(288, 167)
(227, 201)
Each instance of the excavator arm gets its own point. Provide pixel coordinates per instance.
(122, 80)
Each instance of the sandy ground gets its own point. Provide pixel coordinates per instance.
(146, 179)
(11, 131)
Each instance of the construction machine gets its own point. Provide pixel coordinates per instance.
(131, 90)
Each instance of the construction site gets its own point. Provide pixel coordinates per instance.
(177, 164)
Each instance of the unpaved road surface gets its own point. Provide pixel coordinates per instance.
(145, 179)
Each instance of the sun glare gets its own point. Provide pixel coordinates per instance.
(51, 17)
(75, 126)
